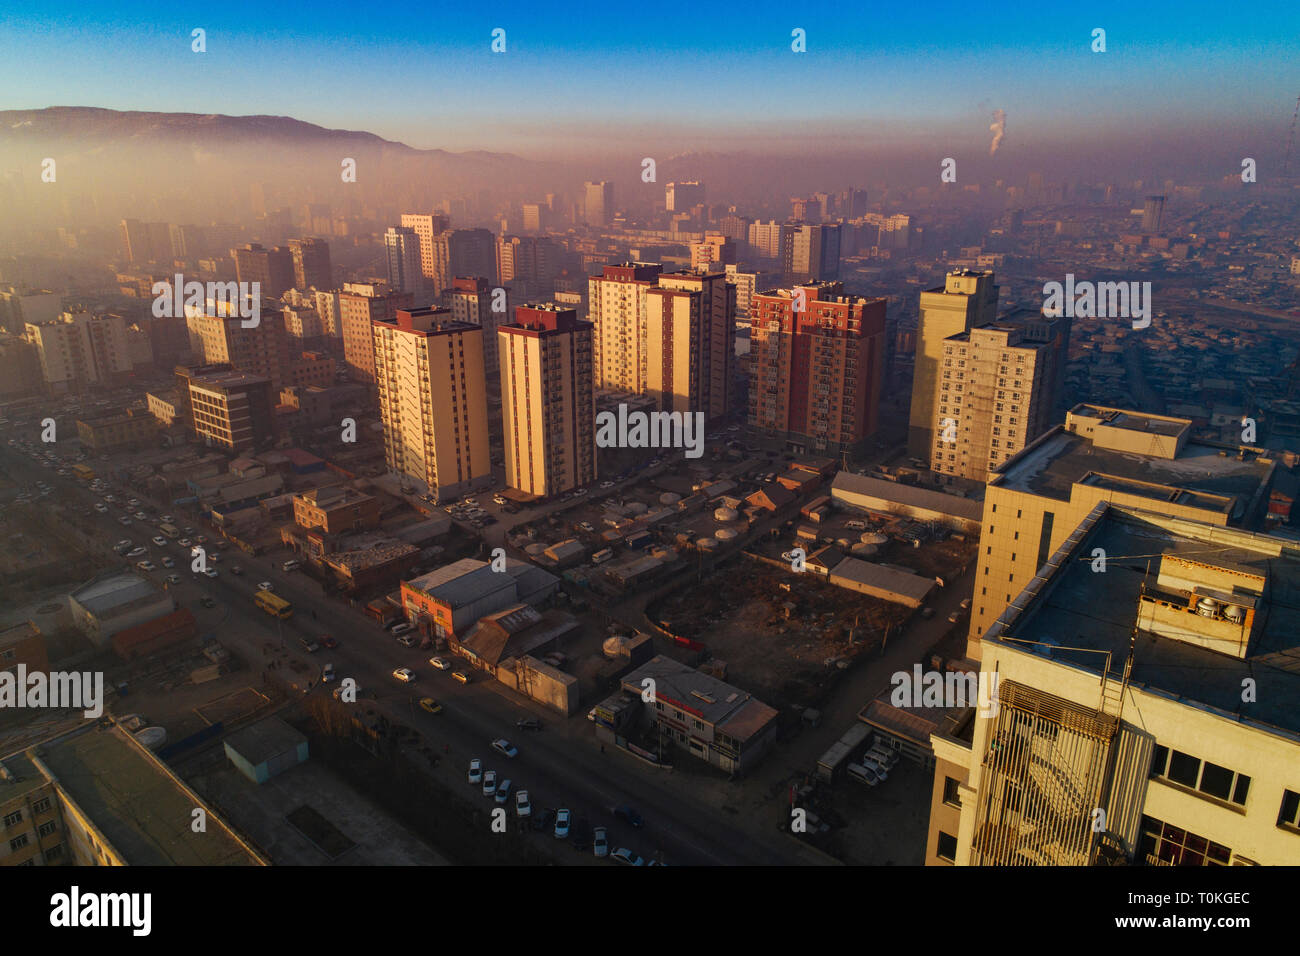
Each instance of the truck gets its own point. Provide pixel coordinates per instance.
(831, 763)
(169, 530)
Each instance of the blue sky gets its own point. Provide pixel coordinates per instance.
(721, 75)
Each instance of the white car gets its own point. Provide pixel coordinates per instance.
(579, 492)
(140, 516)
(137, 552)
(264, 586)
(101, 508)
(504, 789)
(475, 774)
(210, 573)
(185, 542)
(561, 824)
(160, 541)
(441, 663)
(607, 484)
(505, 748)
(627, 857)
(522, 807)
(124, 521)
(124, 543)
(490, 783)
(498, 499)
(404, 674)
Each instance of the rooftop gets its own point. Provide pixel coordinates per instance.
(713, 701)
(1097, 612)
(263, 740)
(112, 590)
(140, 808)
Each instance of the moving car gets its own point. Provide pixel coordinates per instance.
(160, 541)
(210, 573)
(169, 562)
(264, 585)
(561, 824)
(327, 673)
(528, 723)
(504, 748)
(137, 552)
(460, 677)
(173, 579)
(404, 674)
(146, 566)
(406, 640)
(475, 771)
(308, 645)
(430, 705)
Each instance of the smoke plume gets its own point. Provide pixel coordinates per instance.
(999, 129)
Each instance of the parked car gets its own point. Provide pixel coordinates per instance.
(461, 677)
(169, 562)
(210, 573)
(308, 645)
(441, 663)
(404, 628)
(264, 585)
(431, 705)
(404, 674)
(489, 783)
(528, 723)
(160, 541)
(561, 824)
(137, 552)
(503, 790)
(523, 808)
(505, 748)
(626, 857)
(630, 816)
(406, 640)
(146, 566)
(600, 842)
(475, 774)
(876, 766)
(863, 775)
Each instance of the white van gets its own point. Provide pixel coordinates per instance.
(291, 566)
(600, 557)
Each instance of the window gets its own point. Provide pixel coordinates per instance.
(12, 818)
(1289, 815)
(950, 794)
(41, 806)
(947, 848)
(1162, 843)
(1212, 780)
(46, 828)
(18, 842)
(54, 853)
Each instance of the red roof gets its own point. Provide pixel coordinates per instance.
(182, 620)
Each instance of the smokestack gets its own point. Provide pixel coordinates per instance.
(999, 129)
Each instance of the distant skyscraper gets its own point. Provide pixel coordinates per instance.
(767, 238)
(547, 407)
(1153, 214)
(470, 300)
(463, 252)
(683, 196)
(534, 215)
(223, 339)
(146, 241)
(811, 252)
(966, 299)
(81, 349)
(599, 203)
(311, 264)
(433, 400)
(531, 262)
(273, 268)
(818, 372)
(402, 251)
(361, 304)
(427, 227)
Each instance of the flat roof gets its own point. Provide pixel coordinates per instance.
(259, 742)
(143, 811)
(1096, 612)
(846, 482)
(112, 590)
(1051, 466)
(719, 703)
(1132, 421)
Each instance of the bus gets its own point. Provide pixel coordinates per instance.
(170, 530)
(273, 604)
(84, 472)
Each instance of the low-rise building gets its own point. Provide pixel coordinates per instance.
(450, 600)
(335, 509)
(126, 431)
(116, 601)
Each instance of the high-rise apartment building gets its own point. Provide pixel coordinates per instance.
(966, 299)
(463, 252)
(230, 410)
(402, 253)
(471, 299)
(146, 241)
(81, 349)
(997, 390)
(361, 304)
(690, 342)
(311, 264)
(427, 226)
(683, 196)
(530, 262)
(261, 350)
(599, 203)
(811, 252)
(18, 308)
(433, 400)
(547, 400)
(818, 370)
(768, 239)
(1035, 501)
(616, 304)
(713, 251)
(273, 268)
(534, 217)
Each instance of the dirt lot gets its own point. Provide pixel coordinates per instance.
(784, 646)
